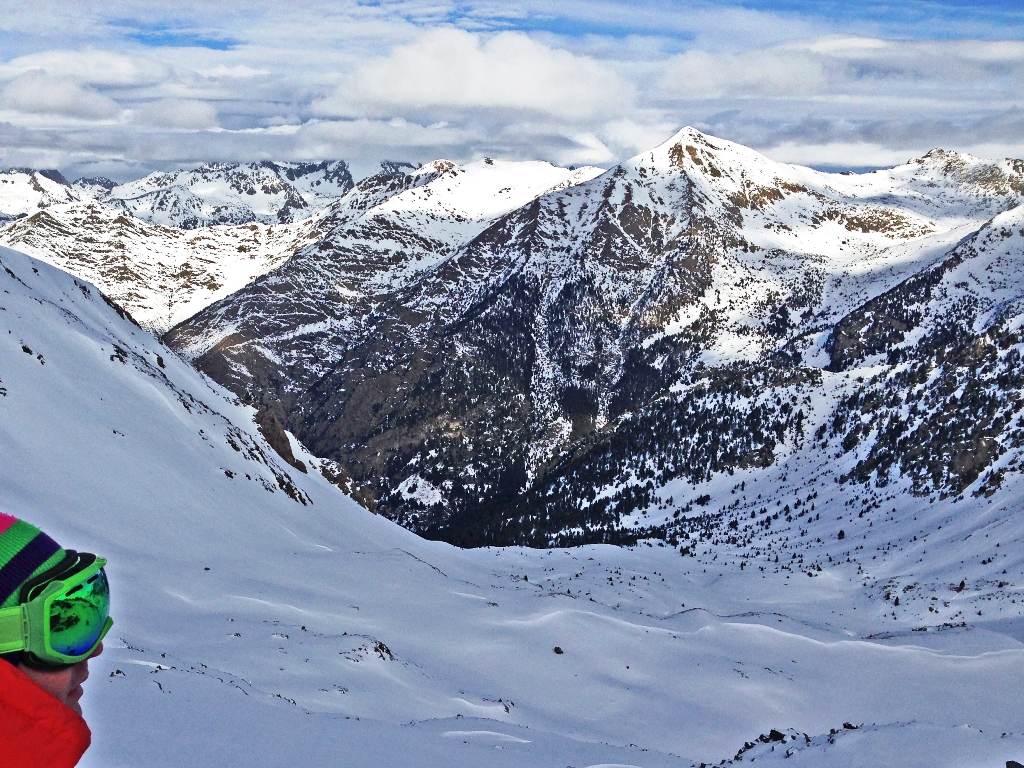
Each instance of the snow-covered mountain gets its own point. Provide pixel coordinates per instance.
(590, 366)
(164, 273)
(227, 193)
(389, 231)
(24, 191)
(274, 622)
(215, 193)
(161, 275)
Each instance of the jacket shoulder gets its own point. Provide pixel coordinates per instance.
(39, 731)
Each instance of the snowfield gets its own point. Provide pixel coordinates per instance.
(265, 619)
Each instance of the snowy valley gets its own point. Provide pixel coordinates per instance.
(762, 427)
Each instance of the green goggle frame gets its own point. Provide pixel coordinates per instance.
(63, 616)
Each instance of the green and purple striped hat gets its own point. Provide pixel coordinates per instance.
(25, 552)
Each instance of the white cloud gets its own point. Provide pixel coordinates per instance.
(628, 137)
(450, 68)
(843, 66)
(177, 113)
(395, 139)
(587, 149)
(593, 81)
(235, 72)
(35, 92)
(839, 154)
(703, 75)
(95, 67)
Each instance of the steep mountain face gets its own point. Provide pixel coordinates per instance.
(160, 275)
(695, 312)
(289, 328)
(944, 404)
(227, 193)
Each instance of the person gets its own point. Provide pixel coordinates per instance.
(54, 614)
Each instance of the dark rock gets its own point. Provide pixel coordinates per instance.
(272, 430)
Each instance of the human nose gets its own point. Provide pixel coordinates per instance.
(97, 652)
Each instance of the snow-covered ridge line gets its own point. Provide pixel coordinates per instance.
(214, 193)
(228, 193)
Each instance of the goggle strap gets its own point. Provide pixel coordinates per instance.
(12, 629)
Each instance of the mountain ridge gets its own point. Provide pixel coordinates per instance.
(229, 193)
(618, 294)
(164, 273)
(548, 368)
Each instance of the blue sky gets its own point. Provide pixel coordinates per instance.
(912, 19)
(123, 87)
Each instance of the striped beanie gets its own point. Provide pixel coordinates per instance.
(25, 552)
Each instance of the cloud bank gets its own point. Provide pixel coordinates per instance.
(124, 88)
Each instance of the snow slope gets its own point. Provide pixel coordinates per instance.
(459, 201)
(323, 633)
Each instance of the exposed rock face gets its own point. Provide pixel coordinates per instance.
(272, 431)
(689, 313)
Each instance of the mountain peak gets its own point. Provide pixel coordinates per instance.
(47, 173)
(25, 190)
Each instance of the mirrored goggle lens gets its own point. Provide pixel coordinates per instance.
(77, 616)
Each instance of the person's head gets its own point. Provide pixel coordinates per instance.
(53, 609)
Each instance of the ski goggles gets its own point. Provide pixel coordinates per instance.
(63, 615)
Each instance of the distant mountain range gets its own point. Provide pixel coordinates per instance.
(227, 193)
(507, 352)
(215, 193)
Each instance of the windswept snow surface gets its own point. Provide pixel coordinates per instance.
(264, 619)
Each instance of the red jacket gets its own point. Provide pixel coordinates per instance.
(37, 730)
